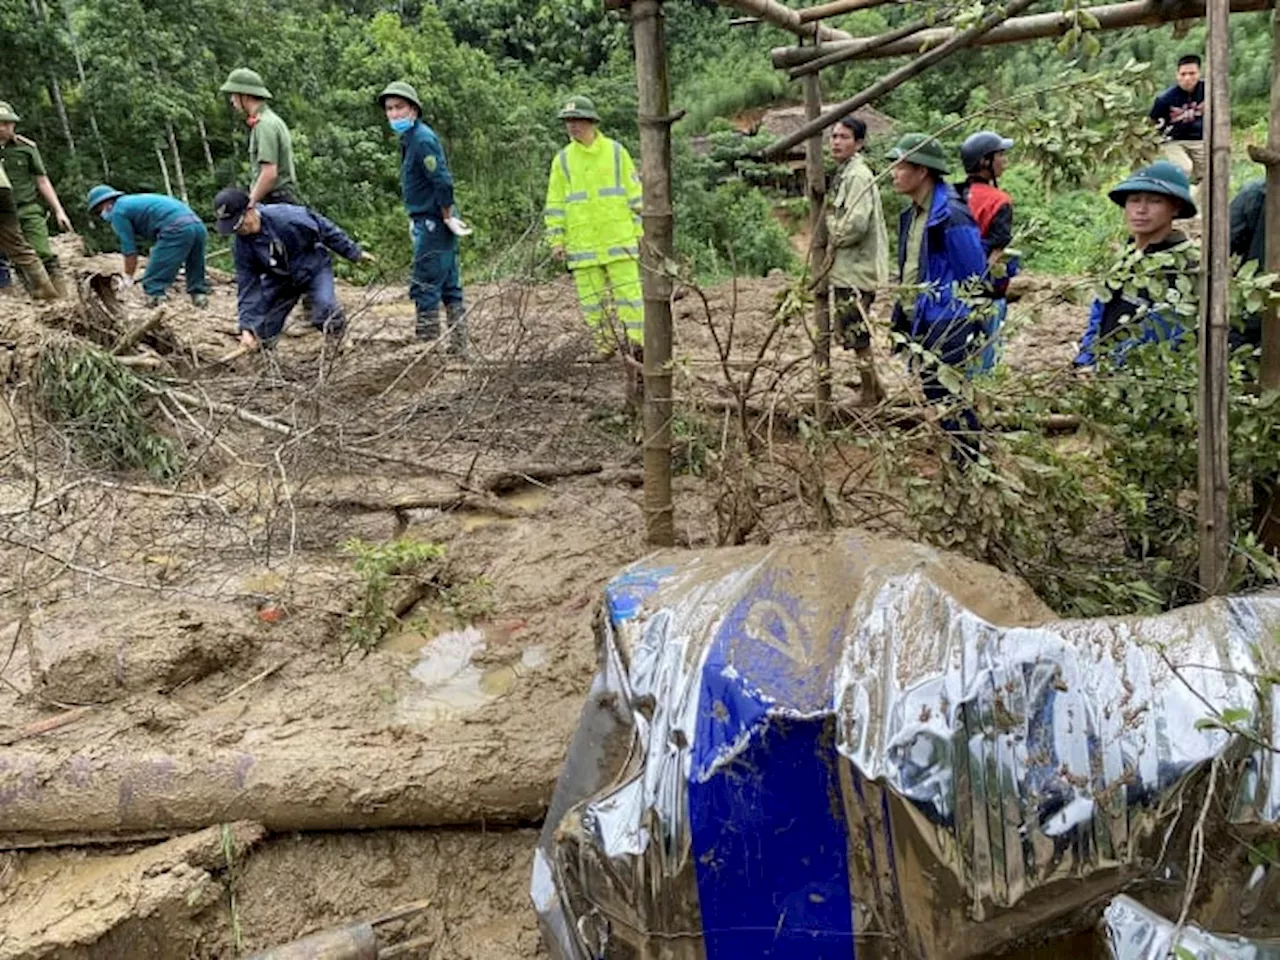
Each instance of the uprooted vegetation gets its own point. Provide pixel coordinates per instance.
(344, 602)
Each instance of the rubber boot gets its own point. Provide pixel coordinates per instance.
(871, 390)
(459, 342)
(58, 279)
(38, 283)
(428, 325)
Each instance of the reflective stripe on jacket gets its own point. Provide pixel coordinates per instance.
(593, 203)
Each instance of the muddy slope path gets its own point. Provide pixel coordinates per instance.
(197, 757)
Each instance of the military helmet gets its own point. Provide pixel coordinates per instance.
(246, 81)
(403, 90)
(579, 108)
(922, 150)
(981, 145)
(100, 195)
(7, 113)
(1161, 177)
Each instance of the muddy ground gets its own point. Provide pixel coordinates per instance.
(176, 653)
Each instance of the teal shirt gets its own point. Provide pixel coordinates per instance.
(141, 216)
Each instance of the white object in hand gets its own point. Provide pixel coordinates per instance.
(457, 227)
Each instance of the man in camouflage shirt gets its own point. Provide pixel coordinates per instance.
(30, 181)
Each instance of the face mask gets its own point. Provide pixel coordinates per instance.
(401, 124)
(105, 215)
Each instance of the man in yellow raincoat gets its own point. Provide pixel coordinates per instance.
(592, 219)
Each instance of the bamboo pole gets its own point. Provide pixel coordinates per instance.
(781, 16)
(1215, 532)
(862, 47)
(838, 7)
(898, 77)
(1271, 322)
(1135, 13)
(657, 249)
(816, 188)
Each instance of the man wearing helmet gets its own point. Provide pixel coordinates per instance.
(271, 169)
(30, 184)
(427, 186)
(984, 156)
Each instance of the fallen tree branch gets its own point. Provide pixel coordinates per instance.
(130, 337)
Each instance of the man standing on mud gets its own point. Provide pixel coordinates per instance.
(427, 187)
(592, 220)
(985, 156)
(858, 250)
(941, 264)
(271, 169)
(14, 245)
(1179, 113)
(30, 182)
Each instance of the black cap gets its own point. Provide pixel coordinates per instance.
(229, 206)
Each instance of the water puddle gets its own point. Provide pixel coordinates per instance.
(449, 684)
(529, 499)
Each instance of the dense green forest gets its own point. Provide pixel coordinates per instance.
(126, 90)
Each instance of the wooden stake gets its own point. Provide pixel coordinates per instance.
(1215, 532)
(1136, 13)
(1271, 322)
(816, 188)
(657, 249)
(898, 77)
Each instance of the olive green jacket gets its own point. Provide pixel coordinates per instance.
(857, 239)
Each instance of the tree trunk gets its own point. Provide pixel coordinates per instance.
(177, 164)
(164, 169)
(55, 88)
(1214, 479)
(208, 153)
(657, 248)
(84, 85)
(816, 188)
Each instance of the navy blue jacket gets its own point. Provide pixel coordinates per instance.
(1107, 317)
(952, 256)
(282, 259)
(425, 180)
(1180, 115)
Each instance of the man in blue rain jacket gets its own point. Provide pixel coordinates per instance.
(941, 266)
(282, 253)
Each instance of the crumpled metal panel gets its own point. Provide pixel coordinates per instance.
(1133, 932)
(873, 748)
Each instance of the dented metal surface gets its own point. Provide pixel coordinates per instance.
(870, 747)
(1132, 932)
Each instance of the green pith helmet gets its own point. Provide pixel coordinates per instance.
(579, 108)
(7, 113)
(402, 90)
(246, 81)
(922, 150)
(1161, 177)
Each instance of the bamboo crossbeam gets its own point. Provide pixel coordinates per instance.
(1135, 13)
(898, 77)
(781, 16)
(838, 7)
(862, 48)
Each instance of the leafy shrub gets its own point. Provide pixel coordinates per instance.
(378, 566)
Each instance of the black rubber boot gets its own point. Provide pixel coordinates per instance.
(428, 327)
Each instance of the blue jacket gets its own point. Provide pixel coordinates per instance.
(281, 260)
(952, 256)
(142, 216)
(1108, 316)
(425, 180)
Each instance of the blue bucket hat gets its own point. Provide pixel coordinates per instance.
(1161, 177)
(100, 195)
